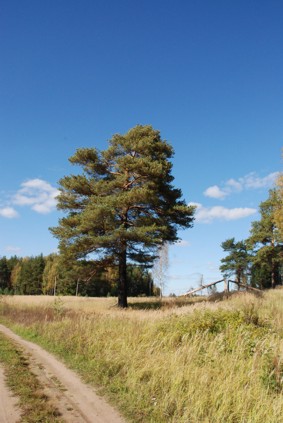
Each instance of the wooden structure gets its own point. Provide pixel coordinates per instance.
(226, 287)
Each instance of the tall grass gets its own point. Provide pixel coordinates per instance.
(211, 362)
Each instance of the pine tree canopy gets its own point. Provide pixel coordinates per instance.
(123, 206)
(237, 261)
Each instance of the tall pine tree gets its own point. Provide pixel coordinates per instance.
(237, 261)
(123, 206)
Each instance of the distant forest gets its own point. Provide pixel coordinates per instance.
(52, 275)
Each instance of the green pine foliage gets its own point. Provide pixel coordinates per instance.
(268, 250)
(4, 274)
(259, 259)
(123, 206)
(237, 261)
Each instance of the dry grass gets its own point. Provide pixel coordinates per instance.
(210, 362)
(102, 303)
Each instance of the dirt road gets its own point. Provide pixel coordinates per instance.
(76, 401)
(9, 412)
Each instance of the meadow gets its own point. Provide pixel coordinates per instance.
(182, 361)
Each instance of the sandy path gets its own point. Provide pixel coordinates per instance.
(76, 401)
(9, 412)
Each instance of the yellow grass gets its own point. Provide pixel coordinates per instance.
(208, 362)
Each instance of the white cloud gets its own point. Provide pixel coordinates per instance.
(38, 194)
(11, 249)
(233, 185)
(249, 181)
(209, 214)
(8, 212)
(215, 192)
(252, 181)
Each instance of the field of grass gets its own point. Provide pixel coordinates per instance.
(190, 361)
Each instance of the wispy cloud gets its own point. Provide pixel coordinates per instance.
(252, 181)
(209, 214)
(215, 192)
(12, 249)
(249, 181)
(38, 194)
(8, 212)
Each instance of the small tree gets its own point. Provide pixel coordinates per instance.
(160, 268)
(15, 276)
(123, 206)
(237, 261)
(50, 274)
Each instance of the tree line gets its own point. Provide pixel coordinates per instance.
(258, 260)
(52, 275)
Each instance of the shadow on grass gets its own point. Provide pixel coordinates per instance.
(165, 303)
(146, 305)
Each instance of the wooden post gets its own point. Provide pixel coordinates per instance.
(226, 290)
(200, 288)
(77, 287)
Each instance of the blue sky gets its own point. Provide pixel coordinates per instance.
(207, 74)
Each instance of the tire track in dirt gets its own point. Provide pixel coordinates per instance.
(76, 401)
(9, 410)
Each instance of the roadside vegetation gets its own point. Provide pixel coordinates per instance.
(33, 403)
(205, 362)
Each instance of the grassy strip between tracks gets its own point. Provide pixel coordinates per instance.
(34, 405)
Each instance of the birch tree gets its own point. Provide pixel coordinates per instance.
(160, 268)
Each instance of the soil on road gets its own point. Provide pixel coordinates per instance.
(9, 412)
(76, 401)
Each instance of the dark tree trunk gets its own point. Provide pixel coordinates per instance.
(122, 280)
(273, 267)
(238, 278)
